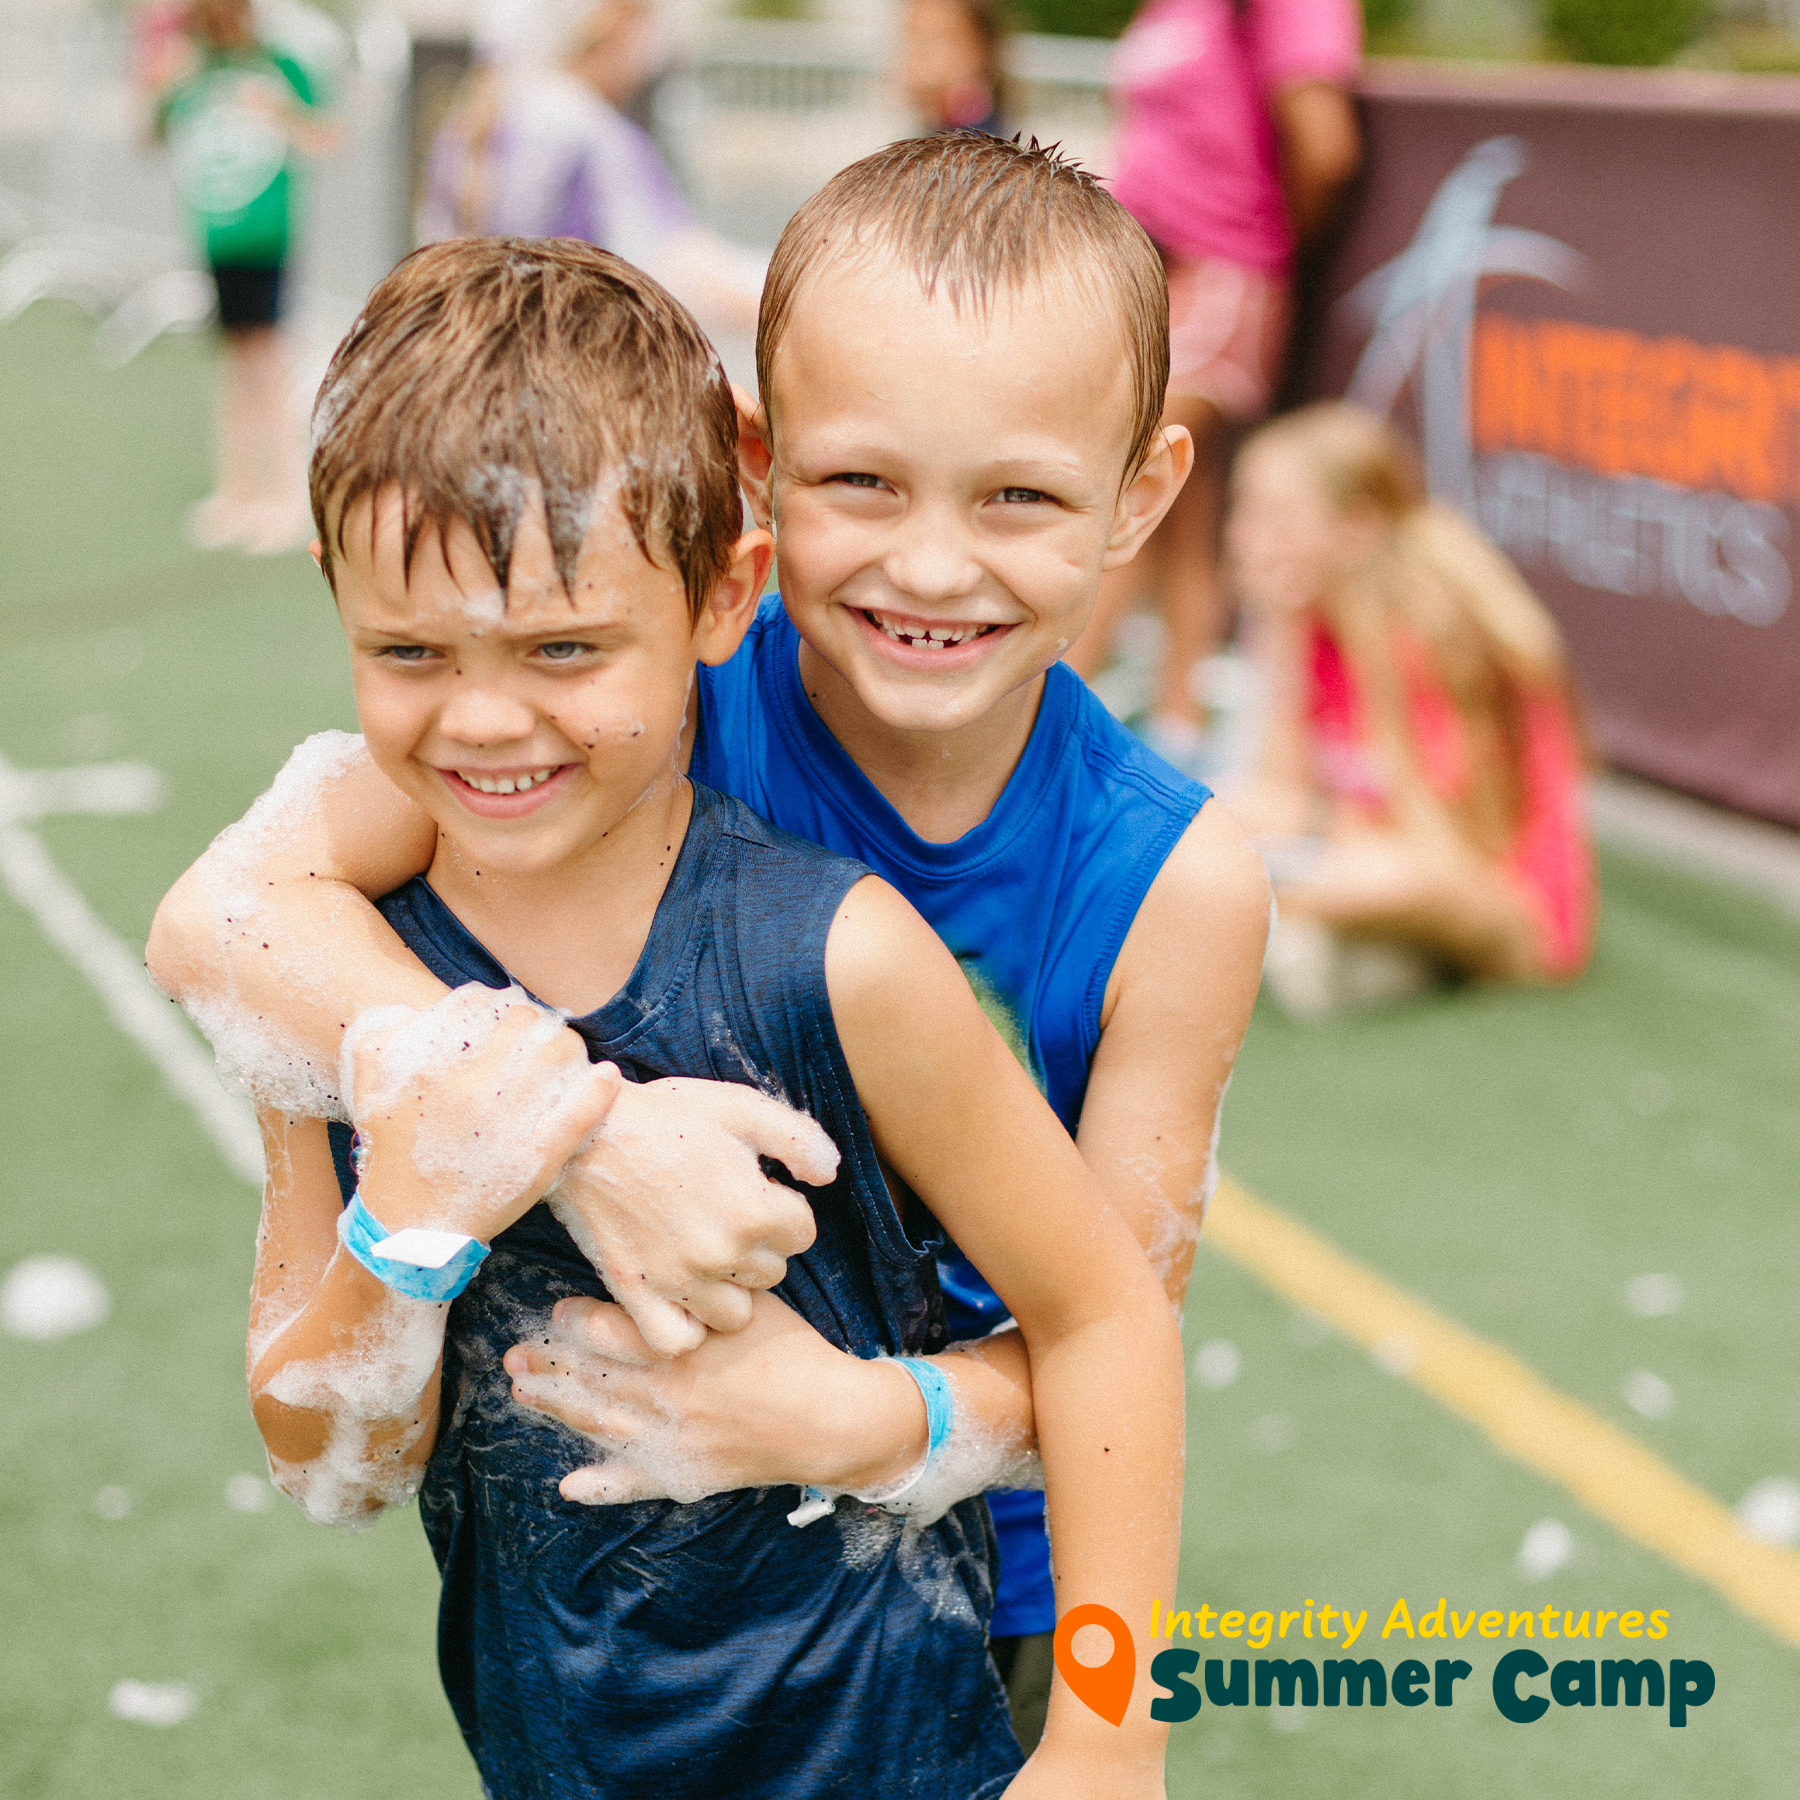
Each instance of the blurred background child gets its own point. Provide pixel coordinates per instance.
(1418, 787)
(953, 64)
(540, 145)
(1236, 140)
(233, 111)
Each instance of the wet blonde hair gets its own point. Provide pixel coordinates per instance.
(973, 216)
(1434, 577)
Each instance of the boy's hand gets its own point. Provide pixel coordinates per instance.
(774, 1403)
(468, 1110)
(672, 1208)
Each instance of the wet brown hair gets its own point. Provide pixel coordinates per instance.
(483, 365)
(975, 216)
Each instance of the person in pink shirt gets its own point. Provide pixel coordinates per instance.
(1237, 136)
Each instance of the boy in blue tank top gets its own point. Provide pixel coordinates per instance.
(524, 483)
(962, 354)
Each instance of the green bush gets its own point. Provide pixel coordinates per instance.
(1074, 18)
(1625, 31)
(1107, 18)
(1381, 18)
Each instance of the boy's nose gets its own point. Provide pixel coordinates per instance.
(478, 716)
(930, 560)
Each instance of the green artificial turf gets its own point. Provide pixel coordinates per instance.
(1514, 1158)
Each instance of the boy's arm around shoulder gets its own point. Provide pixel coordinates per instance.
(960, 1121)
(1176, 1009)
(272, 938)
(279, 924)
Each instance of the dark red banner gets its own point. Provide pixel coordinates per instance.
(1579, 290)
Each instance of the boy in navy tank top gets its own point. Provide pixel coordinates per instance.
(962, 357)
(525, 488)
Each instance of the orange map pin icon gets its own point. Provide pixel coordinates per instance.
(1106, 1687)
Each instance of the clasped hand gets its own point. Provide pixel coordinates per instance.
(774, 1403)
(477, 1108)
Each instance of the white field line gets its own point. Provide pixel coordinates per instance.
(117, 973)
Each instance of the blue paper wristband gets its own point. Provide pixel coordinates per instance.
(940, 1417)
(361, 1233)
(940, 1404)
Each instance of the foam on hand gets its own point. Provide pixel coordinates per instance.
(255, 1052)
(470, 1162)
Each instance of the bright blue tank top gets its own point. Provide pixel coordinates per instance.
(684, 1652)
(1035, 902)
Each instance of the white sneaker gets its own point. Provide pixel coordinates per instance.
(1313, 972)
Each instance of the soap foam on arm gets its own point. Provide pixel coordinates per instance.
(266, 943)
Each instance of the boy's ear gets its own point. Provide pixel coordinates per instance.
(735, 596)
(1149, 494)
(756, 458)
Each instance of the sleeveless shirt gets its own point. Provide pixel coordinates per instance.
(1035, 902)
(680, 1652)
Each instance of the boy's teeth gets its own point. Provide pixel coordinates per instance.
(934, 637)
(508, 784)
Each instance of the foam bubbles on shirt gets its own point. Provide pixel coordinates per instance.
(47, 1297)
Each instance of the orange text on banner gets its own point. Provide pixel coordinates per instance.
(1696, 415)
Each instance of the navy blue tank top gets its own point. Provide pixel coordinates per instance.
(1035, 902)
(687, 1652)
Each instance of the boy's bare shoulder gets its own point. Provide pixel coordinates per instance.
(877, 943)
(1204, 920)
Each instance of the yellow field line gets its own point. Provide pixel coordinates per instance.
(1608, 1471)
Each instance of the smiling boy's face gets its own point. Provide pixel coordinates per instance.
(948, 486)
(527, 724)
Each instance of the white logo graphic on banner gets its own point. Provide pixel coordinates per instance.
(1422, 307)
(1622, 534)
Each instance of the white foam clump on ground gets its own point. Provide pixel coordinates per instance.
(1274, 1432)
(1770, 1511)
(112, 1502)
(1547, 1546)
(1216, 1363)
(1654, 1296)
(1648, 1395)
(248, 1494)
(51, 1297)
(474, 1166)
(1396, 1353)
(160, 1703)
(253, 1050)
